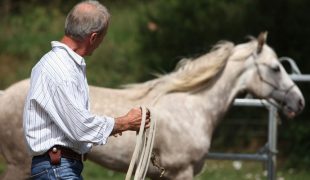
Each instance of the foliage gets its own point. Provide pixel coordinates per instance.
(173, 29)
(117, 61)
(28, 32)
(294, 144)
(25, 36)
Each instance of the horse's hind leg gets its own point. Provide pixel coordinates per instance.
(14, 172)
(17, 162)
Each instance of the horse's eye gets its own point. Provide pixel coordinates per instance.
(276, 68)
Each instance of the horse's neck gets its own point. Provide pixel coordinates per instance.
(220, 96)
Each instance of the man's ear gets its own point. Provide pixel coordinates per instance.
(93, 37)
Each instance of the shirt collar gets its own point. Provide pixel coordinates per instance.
(76, 57)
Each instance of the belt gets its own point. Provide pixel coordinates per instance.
(56, 152)
(68, 153)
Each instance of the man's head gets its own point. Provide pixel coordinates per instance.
(87, 23)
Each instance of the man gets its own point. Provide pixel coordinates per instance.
(58, 125)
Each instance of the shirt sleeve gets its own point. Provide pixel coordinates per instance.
(74, 119)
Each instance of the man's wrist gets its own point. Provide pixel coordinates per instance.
(119, 126)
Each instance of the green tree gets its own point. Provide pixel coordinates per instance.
(174, 29)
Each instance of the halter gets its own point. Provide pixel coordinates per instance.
(275, 88)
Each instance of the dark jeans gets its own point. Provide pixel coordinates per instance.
(42, 169)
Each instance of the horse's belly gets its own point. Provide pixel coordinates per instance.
(116, 154)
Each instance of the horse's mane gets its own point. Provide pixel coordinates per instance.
(193, 73)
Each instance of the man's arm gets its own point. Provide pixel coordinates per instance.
(131, 121)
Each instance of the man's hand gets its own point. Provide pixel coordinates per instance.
(131, 121)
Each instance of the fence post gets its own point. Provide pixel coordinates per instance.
(272, 143)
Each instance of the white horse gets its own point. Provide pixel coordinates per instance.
(190, 103)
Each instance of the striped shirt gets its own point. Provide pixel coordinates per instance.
(57, 108)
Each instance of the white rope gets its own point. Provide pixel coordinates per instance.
(143, 149)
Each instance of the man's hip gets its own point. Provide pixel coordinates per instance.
(41, 168)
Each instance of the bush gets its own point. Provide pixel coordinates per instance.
(174, 29)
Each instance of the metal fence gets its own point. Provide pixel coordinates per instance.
(266, 154)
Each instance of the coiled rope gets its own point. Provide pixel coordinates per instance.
(143, 149)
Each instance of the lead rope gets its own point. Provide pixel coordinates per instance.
(144, 147)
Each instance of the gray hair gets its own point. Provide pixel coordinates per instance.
(82, 21)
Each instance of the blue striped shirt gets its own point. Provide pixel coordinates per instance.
(57, 110)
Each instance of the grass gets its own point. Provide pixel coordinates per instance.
(93, 171)
(246, 170)
(213, 170)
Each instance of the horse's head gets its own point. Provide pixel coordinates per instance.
(266, 78)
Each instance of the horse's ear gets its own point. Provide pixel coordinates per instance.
(261, 41)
